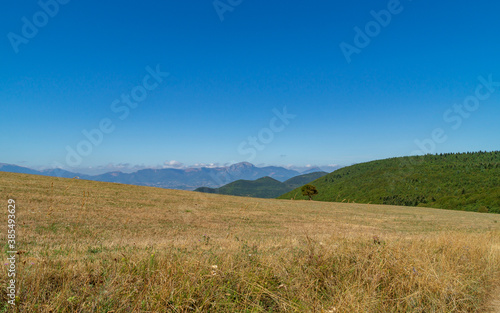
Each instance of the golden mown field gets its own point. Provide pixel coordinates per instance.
(101, 247)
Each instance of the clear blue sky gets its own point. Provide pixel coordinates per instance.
(227, 76)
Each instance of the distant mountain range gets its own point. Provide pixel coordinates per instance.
(186, 179)
(265, 187)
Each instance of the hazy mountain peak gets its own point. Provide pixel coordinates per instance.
(312, 170)
(242, 165)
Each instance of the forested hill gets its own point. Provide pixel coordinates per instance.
(265, 187)
(457, 181)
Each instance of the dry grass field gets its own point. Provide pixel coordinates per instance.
(101, 247)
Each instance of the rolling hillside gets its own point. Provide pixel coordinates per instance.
(464, 181)
(265, 187)
(87, 246)
(303, 179)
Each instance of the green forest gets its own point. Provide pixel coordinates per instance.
(455, 181)
(265, 187)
